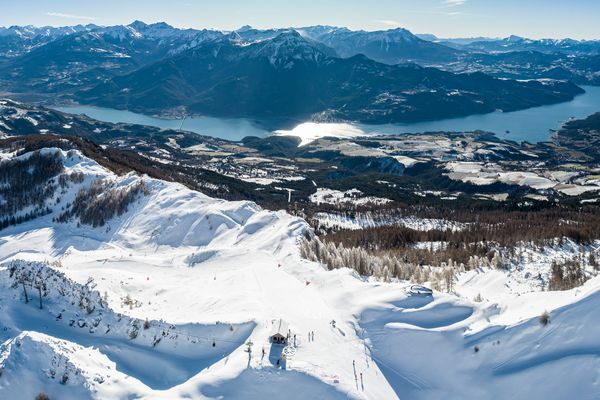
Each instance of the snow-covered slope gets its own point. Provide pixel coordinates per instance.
(162, 301)
(32, 359)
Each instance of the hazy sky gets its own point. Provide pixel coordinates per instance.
(446, 18)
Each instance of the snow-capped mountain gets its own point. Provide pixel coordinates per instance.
(70, 61)
(292, 76)
(175, 294)
(289, 47)
(249, 34)
(95, 54)
(391, 46)
(160, 32)
(518, 43)
(18, 40)
(76, 60)
(31, 32)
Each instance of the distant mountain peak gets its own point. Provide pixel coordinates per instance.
(290, 35)
(401, 34)
(161, 24)
(137, 24)
(287, 48)
(245, 28)
(515, 38)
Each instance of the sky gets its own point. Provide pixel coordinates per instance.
(576, 19)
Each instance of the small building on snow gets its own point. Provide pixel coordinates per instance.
(279, 332)
(420, 290)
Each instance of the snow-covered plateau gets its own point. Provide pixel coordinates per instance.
(178, 295)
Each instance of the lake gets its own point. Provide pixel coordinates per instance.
(532, 125)
(225, 128)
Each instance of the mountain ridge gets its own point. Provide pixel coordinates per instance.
(288, 76)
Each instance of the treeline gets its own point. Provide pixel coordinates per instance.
(102, 201)
(27, 182)
(567, 275)
(493, 230)
(122, 161)
(429, 265)
(538, 214)
(472, 237)
(384, 266)
(21, 218)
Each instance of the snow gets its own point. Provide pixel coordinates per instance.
(339, 221)
(479, 173)
(32, 359)
(536, 197)
(352, 196)
(406, 161)
(283, 50)
(260, 181)
(193, 266)
(495, 197)
(576, 190)
(188, 260)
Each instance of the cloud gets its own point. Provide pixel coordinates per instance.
(70, 16)
(389, 22)
(453, 3)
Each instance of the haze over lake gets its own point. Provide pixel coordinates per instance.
(532, 125)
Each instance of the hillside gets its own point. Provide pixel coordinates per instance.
(582, 136)
(161, 297)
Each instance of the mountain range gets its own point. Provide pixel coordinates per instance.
(517, 43)
(291, 76)
(319, 72)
